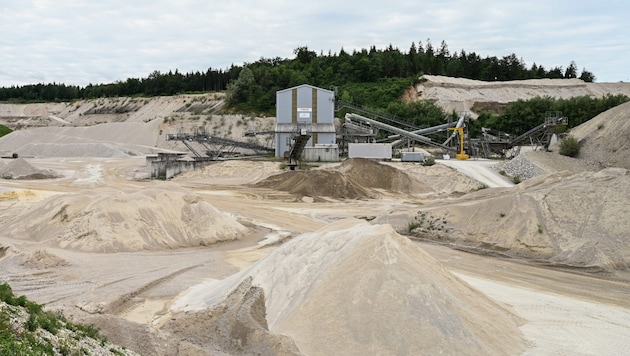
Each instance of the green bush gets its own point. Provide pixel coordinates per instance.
(429, 161)
(27, 341)
(569, 146)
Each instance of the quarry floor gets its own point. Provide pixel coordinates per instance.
(563, 311)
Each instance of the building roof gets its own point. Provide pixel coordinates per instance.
(304, 85)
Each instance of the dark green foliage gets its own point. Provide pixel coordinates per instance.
(6, 294)
(4, 130)
(49, 321)
(86, 330)
(422, 113)
(27, 343)
(375, 95)
(569, 146)
(31, 323)
(429, 161)
(526, 114)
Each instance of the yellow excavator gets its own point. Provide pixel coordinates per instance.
(460, 132)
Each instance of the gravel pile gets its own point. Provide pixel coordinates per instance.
(521, 167)
(535, 163)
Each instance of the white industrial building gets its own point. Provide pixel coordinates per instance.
(305, 109)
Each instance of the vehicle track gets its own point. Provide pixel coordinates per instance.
(127, 301)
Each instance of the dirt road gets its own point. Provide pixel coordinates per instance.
(479, 169)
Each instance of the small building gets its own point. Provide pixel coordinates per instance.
(304, 109)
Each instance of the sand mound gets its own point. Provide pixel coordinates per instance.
(108, 220)
(356, 178)
(574, 220)
(604, 139)
(21, 169)
(317, 184)
(41, 259)
(355, 289)
(373, 175)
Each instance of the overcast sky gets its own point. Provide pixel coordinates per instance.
(80, 42)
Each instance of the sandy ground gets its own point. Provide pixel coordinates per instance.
(561, 312)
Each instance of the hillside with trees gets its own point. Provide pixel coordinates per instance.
(391, 69)
(372, 78)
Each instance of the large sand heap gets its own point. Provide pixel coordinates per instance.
(605, 138)
(356, 178)
(575, 220)
(354, 289)
(108, 220)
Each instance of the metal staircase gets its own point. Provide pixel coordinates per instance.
(539, 135)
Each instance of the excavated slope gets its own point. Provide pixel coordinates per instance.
(577, 220)
(462, 94)
(605, 139)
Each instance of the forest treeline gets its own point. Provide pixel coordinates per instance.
(373, 78)
(390, 69)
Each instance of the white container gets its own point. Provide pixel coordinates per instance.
(370, 150)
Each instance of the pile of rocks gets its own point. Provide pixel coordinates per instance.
(520, 167)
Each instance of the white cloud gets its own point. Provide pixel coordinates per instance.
(81, 42)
